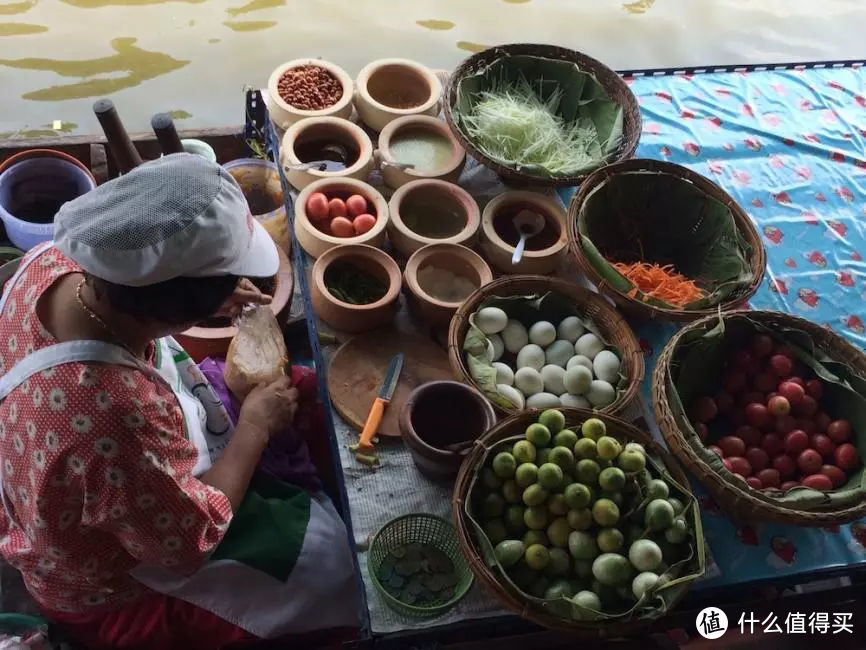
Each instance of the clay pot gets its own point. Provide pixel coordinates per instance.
(393, 176)
(543, 252)
(442, 413)
(390, 88)
(201, 342)
(451, 257)
(260, 182)
(332, 130)
(284, 114)
(314, 241)
(432, 195)
(346, 316)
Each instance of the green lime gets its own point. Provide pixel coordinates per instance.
(677, 505)
(583, 568)
(535, 517)
(580, 519)
(537, 557)
(509, 552)
(678, 532)
(587, 600)
(612, 569)
(577, 496)
(657, 489)
(643, 582)
(542, 456)
(593, 428)
(550, 476)
(554, 420)
(587, 471)
(536, 537)
(586, 448)
(523, 451)
(636, 446)
(560, 562)
(608, 448)
(558, 532)
(611, 479)
(504, 465)
(514, 519)
(582, 545)
(559, 589)
(616, 497)
(605, 512)
(659, 514)
(563, 457)
(538, 435)
(525, 475)
(631, 460)
(534, 495)
(492, 506)
(495, 531)
(490, 480)
(645, 555)
(610, 540)
(511, 492)
(557, 505)
(565, 438)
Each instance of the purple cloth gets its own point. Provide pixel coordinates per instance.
(286, 457)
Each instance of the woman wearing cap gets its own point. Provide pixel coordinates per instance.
(132, 509)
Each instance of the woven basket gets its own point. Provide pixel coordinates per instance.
(612, 83)
(513, 426)
(612, 327)
(737, 500)
(634, 306)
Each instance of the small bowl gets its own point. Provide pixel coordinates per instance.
(438, 195)
(441, 413)
(543, 252)
(314, 241)
(333, 130)
(284, 114)
(260, 182)
(395, 176)
(452, 257)
(346, 316)
(390, 88)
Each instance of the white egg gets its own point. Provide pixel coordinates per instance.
(570, 329)
(543, 401)
(512, 395)
(600, 394)
(589, 345)
(504, 374)
(577, 380)
(559, 352)
(579, 359)
(552, 376)
(515, 336)
(577, 401)
(606, 366)
(491, 320)
(531, 356)
(542, 333)
(528, 381)
(498, 346)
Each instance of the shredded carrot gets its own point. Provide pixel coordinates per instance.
(659, 282)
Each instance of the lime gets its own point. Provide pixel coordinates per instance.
(577, 496)
(523, 451)
(490, 480)
(556, 504)
(536, 537)
(511, 492)
(636, 446)
(632, 460)
(560, 562)
(509, 552)
(587, 600)
(605, 512)
(645, 555)
(534, 495)
(587, 471)
(611, 569)
(559, 589)
(563, 457)
(593, 428)
(643, 582)
(492, 506)
(558, 532)
(678, 532)
(616, 497)
(586, 448)
(514, 519)
(608, 448)
(582, 546)
(583, 568)
(565, 438)
(657, 489)
(677, 505)
(554, 420)
(611, 479)
(535, 517)
(542, 455)
(610, 540)
(537, 557)
(504, 465)
(538, 435)
(659, 514)
(550, 476)
(580, 519)
(495, 531)
(525, 475)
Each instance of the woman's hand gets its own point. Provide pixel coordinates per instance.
(245, 293)
(270, 408)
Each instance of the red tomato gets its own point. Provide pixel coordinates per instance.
(337, 208)
(818, 482)
(738, 465)
(839, 430)
(317, 206)
(701, 430)
(809, 461)
(836, 475)
(752, 397)
(772, 443)
(724, 401)
(791, 392)
(796, 379)
(815, 388)
(704, 409)
(822, 421)
(754, 482)
(734, 381)
(356, 204)
(727, 463)
(807, 425)
(771, 396)
(822, 444)
(846, 457)
(785, 465)
(764, 382)
(749, 435)
(806, 407)
(796, 441)
(758, 458)
(787, 485)
(784, 424)
(769, 477)
(363, 223)
(762, 345)
(781, 365)
(742, 359)
(715, 449)
(778, 405)
(342, 227)
(732, 446)
(757, 415)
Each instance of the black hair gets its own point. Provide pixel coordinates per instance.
(178, 301)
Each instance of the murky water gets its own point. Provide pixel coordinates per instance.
(195, 57)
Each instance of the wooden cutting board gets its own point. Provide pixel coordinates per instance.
(358, 368)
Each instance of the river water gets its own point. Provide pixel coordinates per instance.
(195, 57)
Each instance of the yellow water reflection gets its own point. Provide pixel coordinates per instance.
(21, 29)
(516, 2)
(255, 5)
(180, 114)
(469, 46)
(639, 7)
(47, 131)
(10, 8)
(95, 4)
(435, 24)
(249, 25)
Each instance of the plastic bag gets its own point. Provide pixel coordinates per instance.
(257, 353)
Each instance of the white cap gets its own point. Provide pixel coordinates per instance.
(180, 215)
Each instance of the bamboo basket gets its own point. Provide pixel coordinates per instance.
(612, 83)
(734, 497)
(487, 576)
(634, 306)
(612, 327)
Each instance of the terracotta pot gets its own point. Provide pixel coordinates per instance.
(390, 88)
(332, 130)
(535, 260)
(438, 195)
(393, 176)
(44, 153)
(260, 181)
(314, 241)
(284, 114)
(202, 342)
(451, 257)
(442, 413)
(346, 316)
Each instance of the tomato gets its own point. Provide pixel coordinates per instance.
(769, 477)
(749, 434)
(806, 407)
(757, 415)
(317, 206)
(785, 465)
(356, 205)
(742, 359)
(823, 444)
(818, 482)
(791, 392)
(815, 388)
(727, 463)
(732, 446)
(784, 424)
(752, 397)
(846, 456)
(772, 443)
(757, 457)
(836, 475)
(796, 441)
(715, 449)
(778, 405)
(809, 461)
(839, 430)
(764, 382)
(738, 465)
(704, 409)
(762, 345)
(822, 421)
(754, 482)
(781, 365)
(734, 381)
(336, 208)
(787, 485)
(795, 379)
(724, 401)
(702, 430)
(807, 425)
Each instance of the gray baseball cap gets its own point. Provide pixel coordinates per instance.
(180, 215)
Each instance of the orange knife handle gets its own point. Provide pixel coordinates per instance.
(371, 426)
